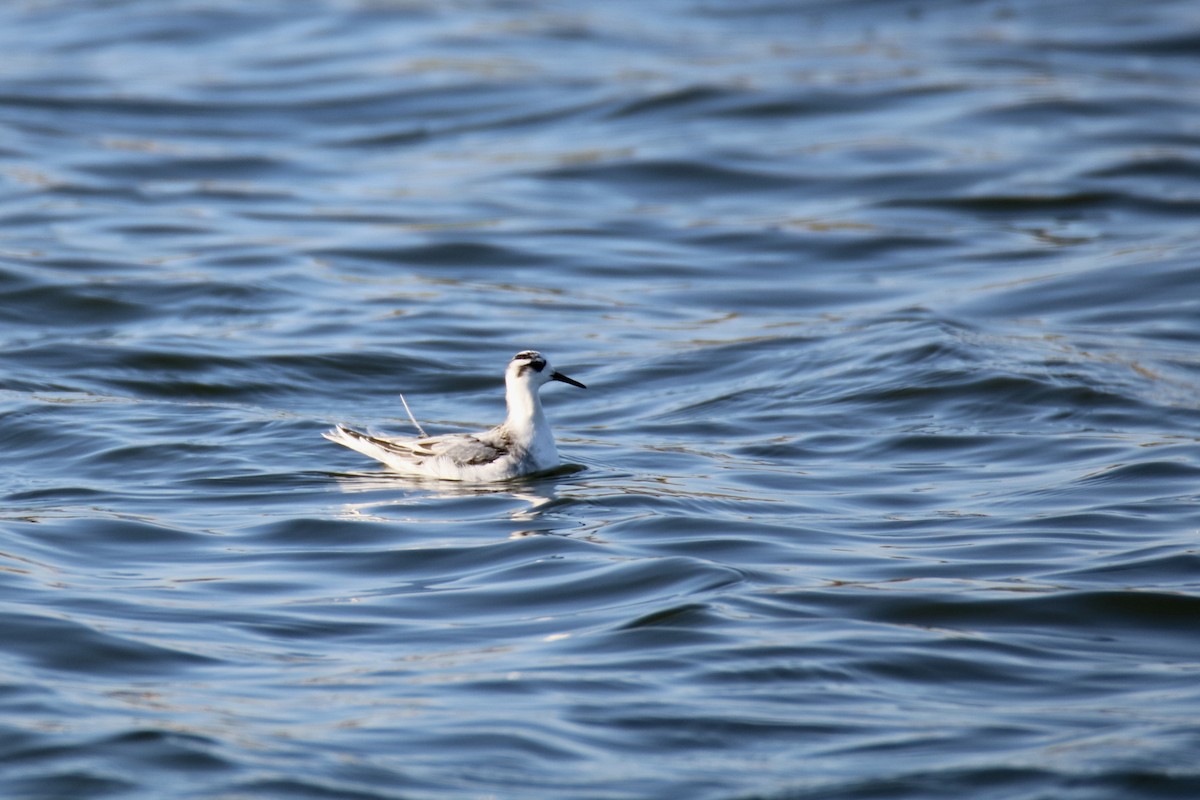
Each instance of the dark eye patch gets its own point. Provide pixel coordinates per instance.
(536, 362)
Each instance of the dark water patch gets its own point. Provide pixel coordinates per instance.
(1160, 474)
(189, 374)
(315, 536)
(193, 24)
(773, 299)
(176, 168)
(171, 362)
(76, 307)
(650, 727)
(384, 100)
(1096, 296)
(163, 229)
(766, 670)
(417, 575)
(963, 396)
(83, 538)
(687, 615)
(1178, 570)
(185, 373)
(1093, 204)
(55, 496)
(101, 304)
(132, 458)
(76, 191)
(246, 196)
(1063, 203)
(67, 645)
(310, 216)
(496, 737)
(1097, 615)
(83, 105)
(720, 362)
(967, 668)
(169, 750)
(1096, 520)
(568, 587)
(215, 390)
(1173, 167)
(519, 112)
(392, 135)
(719, 535)
(1173, 44)
(988, 782)
(70, 783)
(13, 277)
(366, 369)
(1059, 111)
(366, 550)
(692, 99)
(664, 179)
(881, 246)
(302, 629)
(445, 254)
(943, 447)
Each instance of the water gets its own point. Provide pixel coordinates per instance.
(889, 314)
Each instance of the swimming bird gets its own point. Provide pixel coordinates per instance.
(521, 445)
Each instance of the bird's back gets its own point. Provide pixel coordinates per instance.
(487, 456)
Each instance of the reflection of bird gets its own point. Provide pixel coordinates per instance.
(523, 444)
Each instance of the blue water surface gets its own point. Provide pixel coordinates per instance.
(885, 484)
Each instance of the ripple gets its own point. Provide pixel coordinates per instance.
(76, 307)
(469, 254)
(564, 589)
(889, 457)
(663, 178)
(66, 645)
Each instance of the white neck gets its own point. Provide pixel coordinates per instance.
(524, 406)
(527, 424)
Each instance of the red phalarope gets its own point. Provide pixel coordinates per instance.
(522, 445)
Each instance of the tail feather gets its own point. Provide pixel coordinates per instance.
(392, 453)
(416, 424)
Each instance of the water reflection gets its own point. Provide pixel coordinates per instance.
(395, 498)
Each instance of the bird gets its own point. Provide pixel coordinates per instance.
(521, 445)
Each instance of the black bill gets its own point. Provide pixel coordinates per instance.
(558, 376)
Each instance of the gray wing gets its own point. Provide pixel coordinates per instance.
(469, 450)
(461, 448)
